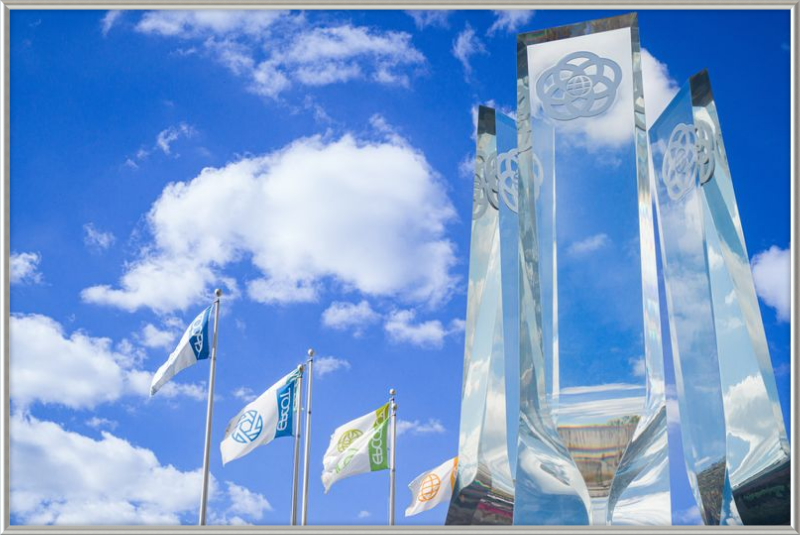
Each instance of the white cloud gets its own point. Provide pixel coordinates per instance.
(430, 18)
(78, 371)
(659, 86)
(364, 514)
(431, 427)
(97, 423)
(24, 268)
(466, 45)
(772, 277)
(96, 239)
(510, 20)
(342, 316)
(205, 22)
(637, 366)
(400, 327)
(168, 136)
(325, 365)
(109, 20)
(589, 245)
(686, 517)
(245, 394)
(276, 49)
(246, 502)
(152, 336)
(283, 211)
(62, 477)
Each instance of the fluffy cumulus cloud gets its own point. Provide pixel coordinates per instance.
(77, 370)
(401, 326)
(466, 45)
(431, 427)
(772, 277)
(62, 477)
(154, 337)
(273, 50)
(24, 268)
(343, 316)
(510, 20)
(284, 213)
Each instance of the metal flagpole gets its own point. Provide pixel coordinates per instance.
(393, 440)
(310, 368)
(297, 433)
(209, 410)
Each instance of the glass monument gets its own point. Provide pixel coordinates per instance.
(734, 439)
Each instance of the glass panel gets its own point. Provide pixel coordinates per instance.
(706, 241)
(581, 112)
(484, 490)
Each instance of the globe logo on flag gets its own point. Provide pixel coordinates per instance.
(347, 438)
(248, 427)
(429, 488)
(582, 84)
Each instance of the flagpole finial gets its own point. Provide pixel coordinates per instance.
(218, 292)
(392, 392)
(311, 353)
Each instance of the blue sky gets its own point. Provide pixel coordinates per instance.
(316, 166)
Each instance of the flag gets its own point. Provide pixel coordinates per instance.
(357, 447)
(268, 417)
(194, 345)
(432, 488)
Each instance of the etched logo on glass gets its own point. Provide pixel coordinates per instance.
(705, 151)
(690, 152)
(508, 178)
(582, 84)
(485, 190)
(680, 161)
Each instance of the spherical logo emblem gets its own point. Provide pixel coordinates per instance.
(582, 84)
(690, 152)
(508, 178)
(429, 488)
(485, 190)
(705, 151)
(347, 438)
(680, 161)
(248, 427)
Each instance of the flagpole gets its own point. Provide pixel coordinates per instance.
(310, 368)
(393, 438)
(297, 433)
(209, 410)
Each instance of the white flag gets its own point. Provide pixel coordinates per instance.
(194, 345)
(432, 488)
(268, 417)
(356, 447)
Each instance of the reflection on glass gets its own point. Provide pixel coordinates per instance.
(583, 159)
(484, 490)
(736, 447)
